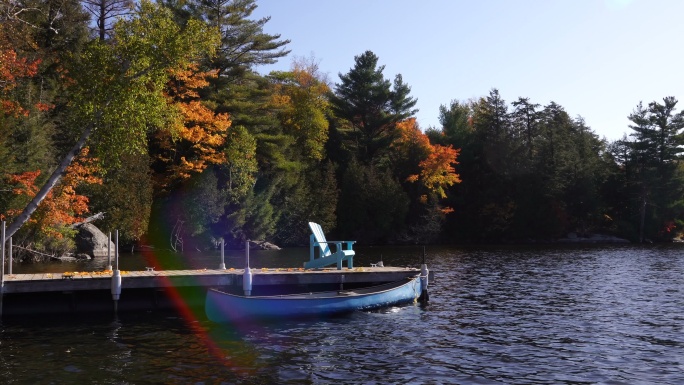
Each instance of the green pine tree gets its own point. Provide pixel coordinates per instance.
(372, 105)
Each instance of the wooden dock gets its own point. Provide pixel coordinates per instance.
(91, 291)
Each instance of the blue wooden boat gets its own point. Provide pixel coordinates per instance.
(225, 307)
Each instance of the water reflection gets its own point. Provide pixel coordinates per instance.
(508, 315)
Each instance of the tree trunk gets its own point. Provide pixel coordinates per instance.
(51, 182)
(91, 218)
(101, 20)
(643, 220)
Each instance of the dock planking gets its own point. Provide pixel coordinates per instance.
(88, 281)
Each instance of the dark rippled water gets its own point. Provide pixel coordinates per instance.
(590, 315)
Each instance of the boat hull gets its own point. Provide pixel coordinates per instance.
(225, 307)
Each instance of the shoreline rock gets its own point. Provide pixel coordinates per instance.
(592, 238)
(91, 241)
(262, 245)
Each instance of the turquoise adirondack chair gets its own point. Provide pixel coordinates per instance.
(327, 257)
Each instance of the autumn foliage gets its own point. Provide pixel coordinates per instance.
(436, 170)
(64, 205)
(197, 140)
(260, 152)
(12, 69)
(301, 99)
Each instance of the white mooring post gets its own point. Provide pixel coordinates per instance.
(116, 275)
(424, 277)
(109, 252)
(9, 249)
(116, 250)
(222, 266)
(247, 276)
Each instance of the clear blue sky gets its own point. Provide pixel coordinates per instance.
(596, 58)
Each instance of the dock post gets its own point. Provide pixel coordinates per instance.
(222, 266)
(247, 276)
(424, 277)
(424, 274)
(9, 263)
(2, 265)
(109, 251)
(116, 276)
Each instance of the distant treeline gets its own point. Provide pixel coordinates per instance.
(155, 114)
(534, 173)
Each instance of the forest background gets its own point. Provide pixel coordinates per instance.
(154, 114)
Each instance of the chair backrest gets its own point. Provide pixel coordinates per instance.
(320, 238)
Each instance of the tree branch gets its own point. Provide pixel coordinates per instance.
(51, 182)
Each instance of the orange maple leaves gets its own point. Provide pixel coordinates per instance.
(437, 170)
(13, 68)
(63, 205)
(197, 140)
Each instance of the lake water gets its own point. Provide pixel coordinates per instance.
(498, 315)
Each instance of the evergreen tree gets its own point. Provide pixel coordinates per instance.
(106, 13)
(244, 44)
(587, 171)
(246, 97)
(653, 167)
(239, 90)
(371, 105)
(526, 174)
(492, 125)
(372, 206)
(488, 169)
(314, 198)
(525, 120)
(125, 196)
(456, 124)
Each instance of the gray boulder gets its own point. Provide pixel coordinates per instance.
(90, 240)
(262, 245)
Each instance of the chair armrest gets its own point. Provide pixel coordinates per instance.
(338, 244)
